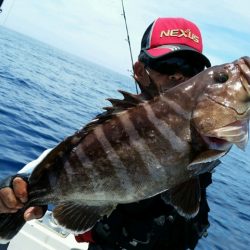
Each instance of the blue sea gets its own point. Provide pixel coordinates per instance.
(47, 94)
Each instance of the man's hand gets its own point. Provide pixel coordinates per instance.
(13, 199)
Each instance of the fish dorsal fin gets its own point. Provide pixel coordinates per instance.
(79, 218)
(121, 104)
(136, 99)
(129, 101)
(185, 198)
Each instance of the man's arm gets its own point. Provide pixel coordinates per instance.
(14, 192)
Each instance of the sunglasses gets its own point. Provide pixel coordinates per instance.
(176, 64)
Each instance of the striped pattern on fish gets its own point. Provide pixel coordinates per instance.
(140, 148)
(104, 155)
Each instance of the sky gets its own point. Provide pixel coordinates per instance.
(95, 29)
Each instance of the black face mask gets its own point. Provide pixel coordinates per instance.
(177, 64)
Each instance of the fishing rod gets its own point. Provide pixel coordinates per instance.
(1, 2)
(129, 44)
(7, 10)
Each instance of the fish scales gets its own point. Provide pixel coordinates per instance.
(169, 124)
(137, 139)
(127, 135)
(75, 171)
(113, 159)
(120, 171)
(141, 144)
(97, 154)
(104, 164)
(87, 166)
(119, 142)
(151, 146)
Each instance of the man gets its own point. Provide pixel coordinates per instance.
(171, 52)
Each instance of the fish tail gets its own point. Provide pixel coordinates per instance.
(10, 225)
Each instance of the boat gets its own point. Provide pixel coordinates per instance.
(45, 234)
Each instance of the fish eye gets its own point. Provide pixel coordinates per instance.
(221, 77)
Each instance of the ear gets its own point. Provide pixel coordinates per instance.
(147, 86)
(140, 73)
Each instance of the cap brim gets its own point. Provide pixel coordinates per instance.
(179, 50)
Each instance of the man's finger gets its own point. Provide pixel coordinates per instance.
(8, 201)
(4, 209)
(20, 189)
(33, 213)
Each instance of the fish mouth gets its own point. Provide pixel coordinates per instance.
(222, 138)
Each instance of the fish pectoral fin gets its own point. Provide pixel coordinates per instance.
(208, 156)
(78, 217)
(205, 161)
(200, 168)
(185, 198)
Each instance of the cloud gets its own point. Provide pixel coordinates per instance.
(95, 29)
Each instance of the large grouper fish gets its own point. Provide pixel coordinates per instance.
(141, 147)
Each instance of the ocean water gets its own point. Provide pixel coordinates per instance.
(47, 94)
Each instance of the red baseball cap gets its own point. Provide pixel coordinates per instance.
(167, 37)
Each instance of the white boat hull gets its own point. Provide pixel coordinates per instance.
(44, 235)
